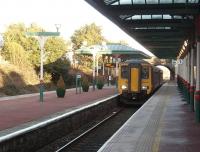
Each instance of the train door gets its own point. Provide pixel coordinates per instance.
(135, 78)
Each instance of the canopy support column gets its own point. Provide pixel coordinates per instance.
(197, 92)
(188, 77)
(192, 87)
(93, 72)
(184, 77)
(97, 65)
(108, 71)
(116, 70)
(103, 65)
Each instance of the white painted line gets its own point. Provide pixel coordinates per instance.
(22, 131)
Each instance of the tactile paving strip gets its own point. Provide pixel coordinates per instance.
(142, 132)
(147, 138)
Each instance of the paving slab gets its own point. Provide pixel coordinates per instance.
(18, 110)
(163, 124)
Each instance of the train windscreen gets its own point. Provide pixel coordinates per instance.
(124, 72)
(145, 72)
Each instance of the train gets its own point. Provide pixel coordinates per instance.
(137, 79)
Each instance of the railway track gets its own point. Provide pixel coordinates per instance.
(92, 135)
(92, 139)
(83, 135)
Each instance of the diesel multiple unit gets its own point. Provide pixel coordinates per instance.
(137, 79)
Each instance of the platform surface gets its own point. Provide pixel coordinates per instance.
(163, 124)
(22, 111)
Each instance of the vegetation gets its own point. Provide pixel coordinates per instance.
(14, 80)
(85, 84)
(55, 48)
(60, 90)
(92, 34)
(22, 57)
(100, 82)
(15, 39)
(16, 54)
(24, 52)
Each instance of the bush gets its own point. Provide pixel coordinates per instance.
(60, 92)
(59, 68)
(60, 88)
(85, 84)
(100, 82)
(55, 77)
(10, 90)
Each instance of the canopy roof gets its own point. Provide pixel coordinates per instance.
(161, 26)
(113, 49)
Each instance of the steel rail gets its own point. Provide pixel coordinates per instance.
(88, 131)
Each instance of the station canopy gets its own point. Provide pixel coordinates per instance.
(113, 49)
(161, 26)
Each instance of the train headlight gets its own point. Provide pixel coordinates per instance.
(144, 88)
(124, 87)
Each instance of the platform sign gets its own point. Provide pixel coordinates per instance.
(43, 33)
(78, 83)
(174, 62)
(110, 65)
(109, 77)
(78, 76)
(180, 61)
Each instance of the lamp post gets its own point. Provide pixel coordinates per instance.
(104, 47)
(42, 37)
(94, 53)
(96, 57)
(42, 41)
(58, 26)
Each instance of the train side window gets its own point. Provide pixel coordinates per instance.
(124, 72)
(145, 72)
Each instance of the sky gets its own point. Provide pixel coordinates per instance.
(71, 14)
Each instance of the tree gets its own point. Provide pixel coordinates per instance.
(35, 28)
(16, 54)
(55, 48)
(59, 68)
(17, 33)
(24, 51)
(90, 33)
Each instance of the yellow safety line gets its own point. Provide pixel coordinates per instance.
(156, 143)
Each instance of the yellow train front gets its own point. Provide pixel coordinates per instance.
(137, 79)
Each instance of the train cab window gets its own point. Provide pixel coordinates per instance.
(124, 72)
(145, 72)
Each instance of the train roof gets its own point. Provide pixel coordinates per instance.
(136, 61)
(139, 61)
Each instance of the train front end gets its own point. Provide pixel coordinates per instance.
(134, 82)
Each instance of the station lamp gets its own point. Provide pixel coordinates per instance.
(58, 26)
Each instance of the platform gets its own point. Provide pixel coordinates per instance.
(163, 124)
(19, 112)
